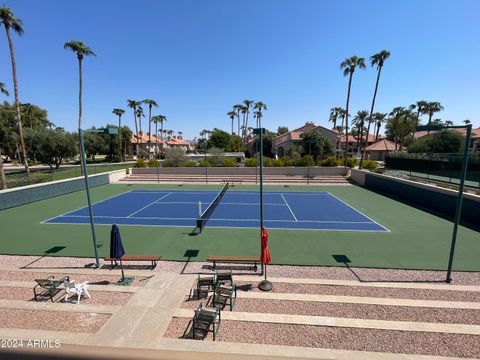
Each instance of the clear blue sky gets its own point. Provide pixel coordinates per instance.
(198, 58)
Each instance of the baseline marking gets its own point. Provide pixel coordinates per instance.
(289, 208)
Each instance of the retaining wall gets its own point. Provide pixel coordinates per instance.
(27, 194)
(440, 200)
(285, 171)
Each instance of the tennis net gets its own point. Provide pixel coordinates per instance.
(204, 216)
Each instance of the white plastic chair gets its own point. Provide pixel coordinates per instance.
(72, 288)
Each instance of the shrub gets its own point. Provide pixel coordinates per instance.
(306, 160)
(329, 161)
(229, 162)
(268, 162)
(285, 161)
(175, 157)
(217, 156)
(204, 162)
(140, 163)
(369, 165)
(153, 163)
(251, 162)
(190, 163)
(351, 162)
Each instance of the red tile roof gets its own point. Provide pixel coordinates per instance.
(382, 145)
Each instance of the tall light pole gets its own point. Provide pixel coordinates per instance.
(112, 131)
(463, 174)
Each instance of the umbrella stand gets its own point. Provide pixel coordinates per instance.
(265, 285)
(125, 281)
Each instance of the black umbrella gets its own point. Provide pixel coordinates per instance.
(116, 247)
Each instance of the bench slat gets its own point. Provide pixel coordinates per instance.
(233, 258)
(136, 258)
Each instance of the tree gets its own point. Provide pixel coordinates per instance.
(95, 144)
(231, 115)
(399, 125)
(161, 119)
(119, 113)
(151, 103)
(349, 66)
(3, 179)
(316, 144)
(359, 121)
(237, 108)
(379, 119)
(432, 108)
(54, 146)
(220, 139)
(217, 156)
(466, 122)
(378, 60)
(334, 114)
(175, 157)
(259, 107)
(445, 141)
(247, 104)
(282, 130)
(421, 107)
(132, 104)
(81, 50)
(140, 114)
(10, 21)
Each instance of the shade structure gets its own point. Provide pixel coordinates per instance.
(265, 255)
(116, 246)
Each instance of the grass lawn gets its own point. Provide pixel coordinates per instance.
(418, 240)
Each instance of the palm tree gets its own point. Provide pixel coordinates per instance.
(448, 122)
(132, 104)
(466, 122)
(10, 21)
(359, 121)
(244, 110)
(334, 114)
(231, 115)
(349, 66)
(81, 50)
(180, 134)
(119, 113)
(237, 108)
(421, 107)
(378, 60)
(247, 104)
(140, 114)
(151, 103)
(259, 106)
(379, 119)
(432, 108)
(3, 179)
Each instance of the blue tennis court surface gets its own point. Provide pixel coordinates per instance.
(237, 209)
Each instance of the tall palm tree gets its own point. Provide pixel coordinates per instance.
(244, 111)
(259, 107)
(119, 113)
(10, 21)
(448, 122)
(378, 60)
(237, 108)
(432, 108)
(151, 103)
(140, 114)
(421, 107)
(349, 66)
(162, 119)
(170, 133)
(379, 119)
(81, 50)
(466, 122)
(334, 114)
(132, 104)
(232, 115)
(247, 104)
(359, 121)
(3, 179)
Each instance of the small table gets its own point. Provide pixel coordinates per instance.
(49, 284)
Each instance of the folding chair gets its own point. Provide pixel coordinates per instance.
(73, 288)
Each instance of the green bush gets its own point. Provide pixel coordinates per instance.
(329, 161)
(204, 162)
(285, 161)
(306, 160)
(351, 162)
(153, 163)
(268, 162)
(190, 163)
(140, 163)
(229, 162)
(175, 157)
(251, 162)
(369, 165)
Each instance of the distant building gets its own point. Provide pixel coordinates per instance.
(154, 147)
(378, 150)
(282, 144)
(474, 141)
(354, 144)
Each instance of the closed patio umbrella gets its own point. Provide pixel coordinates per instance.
(265, 257)
(116, 247)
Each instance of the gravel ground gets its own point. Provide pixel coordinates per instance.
(379, 292)
(97, 297)
(311, 272)
(90, 278)
(407, 342)
(52, 320)
(357, 311)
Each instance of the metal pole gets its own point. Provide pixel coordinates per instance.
(206, 164)
(458, 210)
(87, 188)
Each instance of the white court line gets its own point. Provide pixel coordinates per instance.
(221, 203)
(136, 212)
(289, 208)
(233, 192)
(220, 219)
(351, 207)
(109, 198)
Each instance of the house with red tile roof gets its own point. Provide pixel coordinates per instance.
(282, 144)
(378, 150)
(354, 143)
(153, 144)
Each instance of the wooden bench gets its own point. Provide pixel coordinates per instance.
(235, 259)
(153, 259)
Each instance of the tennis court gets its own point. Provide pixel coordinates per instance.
(232, 209)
